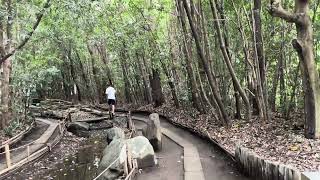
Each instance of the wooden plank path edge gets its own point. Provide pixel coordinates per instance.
(36, 153)
(191, 161)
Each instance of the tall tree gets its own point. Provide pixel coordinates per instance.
(303, 44)
(262, 90)
(228, 61)
(186, 47)
(205, 63)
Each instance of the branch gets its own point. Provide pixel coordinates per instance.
(24, 42)
(275, 9)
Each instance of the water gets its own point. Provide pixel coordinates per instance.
(82, 165)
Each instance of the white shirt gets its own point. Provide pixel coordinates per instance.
(111, 92)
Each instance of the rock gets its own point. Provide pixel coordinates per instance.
(115, 133)
(79, 128)
(153, 131)
(114, 150)
(142, 150)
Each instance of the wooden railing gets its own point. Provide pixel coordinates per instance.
(30, 157)
(130, 164)
(17, 137)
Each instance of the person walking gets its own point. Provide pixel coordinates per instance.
(111, 96)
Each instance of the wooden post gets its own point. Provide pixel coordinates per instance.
(69, 117)
(129, 125)
(8, 159)
(125, 166)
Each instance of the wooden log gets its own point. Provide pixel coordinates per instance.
(93, 111)
(8, 158)
(58, 101)
(52, 114)
(93, 119)
(85, 109)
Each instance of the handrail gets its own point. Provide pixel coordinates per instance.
(22, 133)
(10, 165)
(107, 168)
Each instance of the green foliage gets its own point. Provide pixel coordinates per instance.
(14, 126)
(132, 29)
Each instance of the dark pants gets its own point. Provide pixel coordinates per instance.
(111, 101)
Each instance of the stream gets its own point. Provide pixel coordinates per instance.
(82, 165)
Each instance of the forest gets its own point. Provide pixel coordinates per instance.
(227, 66)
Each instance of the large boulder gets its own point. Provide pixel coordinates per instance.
(114, 150)
(115, 133)
(153, 131)
(142, 150)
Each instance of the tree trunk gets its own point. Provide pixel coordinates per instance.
(99, 89)
(304, 47)
(101, 47)
(6, 67)
(228, 61)
(293, 93)
(77, 97)
(171, 85)
(88, 90)
(157, 94)
(191, 76)
(127, 84)
(275, 87)
(147, 89)
(206, 65)
(281, 74)
(260, 52)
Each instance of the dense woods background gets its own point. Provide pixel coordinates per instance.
(234, 59)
